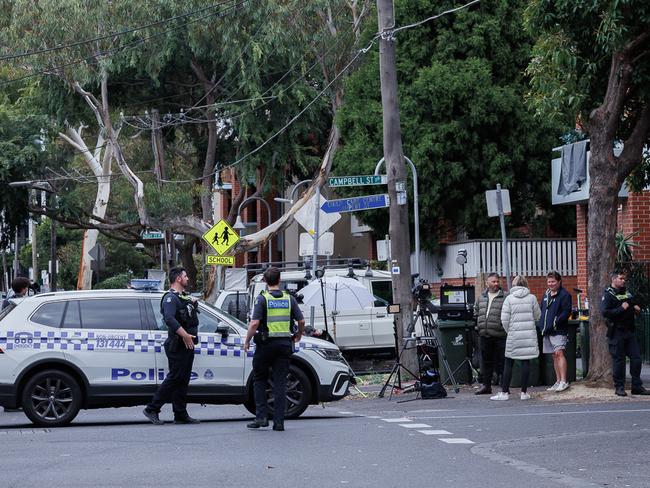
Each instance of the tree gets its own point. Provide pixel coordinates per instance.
(465, 123)
(591, 67)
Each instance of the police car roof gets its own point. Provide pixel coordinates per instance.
(91, 293)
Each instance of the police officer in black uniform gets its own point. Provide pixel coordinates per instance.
(271, 326)
(618, 306)
(180, 314)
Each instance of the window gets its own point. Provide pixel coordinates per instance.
(116, 313)
(207, 321)
(383, 291)
(49, 314)
(72, 319)
(236, 305)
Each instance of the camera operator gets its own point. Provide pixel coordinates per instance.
(492, 335)
(619, 308)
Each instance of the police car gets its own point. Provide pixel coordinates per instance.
(61, 352)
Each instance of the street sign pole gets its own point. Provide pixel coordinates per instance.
(504, 238)
(315, 236)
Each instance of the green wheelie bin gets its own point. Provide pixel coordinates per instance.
(454, 337)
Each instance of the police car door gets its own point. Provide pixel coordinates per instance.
(106, 339)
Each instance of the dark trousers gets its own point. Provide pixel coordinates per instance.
(174, 387)
(273, 355)
(493, 350)
(507, 374)
(622, 344)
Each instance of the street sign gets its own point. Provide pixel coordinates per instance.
(98, 252)
(325, 244)
(221, 237)
(213, 260)
(356, 203)
(493, 204)
(305, 217)
(361, 180)
(153, 235)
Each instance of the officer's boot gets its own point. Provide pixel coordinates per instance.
(257, 423)
(620, 391)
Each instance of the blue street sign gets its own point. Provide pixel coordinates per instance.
(356, 203)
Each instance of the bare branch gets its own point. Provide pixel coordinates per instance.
(632, 153)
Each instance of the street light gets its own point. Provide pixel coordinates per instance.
(416, 209)
(239, 224)
(292, 197)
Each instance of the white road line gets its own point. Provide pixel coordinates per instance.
(397, 421)
(372, 416)
(434, 432)
(537, 414)
(347, 413)
(455, 440)
(415, 426)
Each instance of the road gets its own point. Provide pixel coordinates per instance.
(459, 441)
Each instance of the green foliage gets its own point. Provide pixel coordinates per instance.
(464, 121)
(573, 53)
(624, 247)
(114, 282)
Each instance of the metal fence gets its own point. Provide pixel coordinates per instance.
(643, 334)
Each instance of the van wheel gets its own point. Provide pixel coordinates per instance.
(299, 392)
(51, 398)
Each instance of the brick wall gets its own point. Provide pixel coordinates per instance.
(634, 216)
(581, 245)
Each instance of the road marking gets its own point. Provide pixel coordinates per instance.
(397, 421)
(455, 440)
(434, 432)
(537, 414)
(415, 426)
(372, 416)
(346, 413)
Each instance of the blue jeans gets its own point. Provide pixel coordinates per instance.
(271, 356)
(623, 343)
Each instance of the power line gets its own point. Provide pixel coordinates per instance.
(120, 48)
(9, 57)
(450, 11)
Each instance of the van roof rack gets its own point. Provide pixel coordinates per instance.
(301, 265)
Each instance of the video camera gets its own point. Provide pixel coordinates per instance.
(295, 294)
(422, 290)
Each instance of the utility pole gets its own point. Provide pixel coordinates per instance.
(32, 228)
(396, 171)
(53, 261)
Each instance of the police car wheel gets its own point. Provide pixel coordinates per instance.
(51, 398)
(299, 392)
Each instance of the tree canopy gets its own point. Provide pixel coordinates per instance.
(465, 123)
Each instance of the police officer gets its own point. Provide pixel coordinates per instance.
(271, 327)
(179, 311)
(617, 305)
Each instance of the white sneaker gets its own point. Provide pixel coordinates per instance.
(524, 396)
(562, 386)
(500, 396)
(554, 387)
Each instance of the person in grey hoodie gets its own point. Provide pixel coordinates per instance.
(519, 315)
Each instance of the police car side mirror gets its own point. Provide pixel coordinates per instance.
(223, 330)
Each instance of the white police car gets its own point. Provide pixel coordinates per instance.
(60, 352)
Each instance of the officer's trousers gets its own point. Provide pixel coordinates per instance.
(272, 355)
(623, 343)
(174, 387)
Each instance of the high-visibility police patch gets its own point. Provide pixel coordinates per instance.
(169, 299)
(278, 303)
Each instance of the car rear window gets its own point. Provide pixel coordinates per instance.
(49, 314)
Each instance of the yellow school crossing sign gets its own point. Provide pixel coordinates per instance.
(221, 237)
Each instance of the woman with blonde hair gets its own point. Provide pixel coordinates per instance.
(519, 315)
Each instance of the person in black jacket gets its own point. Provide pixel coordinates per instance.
(619, 308)
(554, 323)
(180, 314)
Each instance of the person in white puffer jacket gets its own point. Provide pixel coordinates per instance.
(519, 315)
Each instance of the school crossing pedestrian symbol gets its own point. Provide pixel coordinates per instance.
(221, 237)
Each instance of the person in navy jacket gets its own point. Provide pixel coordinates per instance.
(554, 324)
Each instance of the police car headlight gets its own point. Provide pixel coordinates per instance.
(331, 354)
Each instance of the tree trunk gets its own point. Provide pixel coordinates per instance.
(601, 231)
(187, 260)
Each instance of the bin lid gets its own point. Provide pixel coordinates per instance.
(455, 324)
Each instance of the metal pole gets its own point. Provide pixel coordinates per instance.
(316, 234)
(416, 208)
(504, 239)
(268, 209)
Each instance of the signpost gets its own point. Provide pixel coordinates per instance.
(361, 180)
(221, 237)
(153, 235)
(355, 204)
(213, 260)
(498, 204)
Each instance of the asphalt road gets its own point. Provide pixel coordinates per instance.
(459, 441)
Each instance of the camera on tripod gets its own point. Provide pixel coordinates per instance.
(422, 290)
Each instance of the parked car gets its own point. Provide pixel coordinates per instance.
(60, 352)
(367, 329)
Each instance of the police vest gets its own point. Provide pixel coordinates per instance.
(187, 314)
(278, 314)
(619, 296)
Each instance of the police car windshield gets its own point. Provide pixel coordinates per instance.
(224, 314)
(6, 310)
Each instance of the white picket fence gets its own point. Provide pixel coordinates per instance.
(530, 257)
